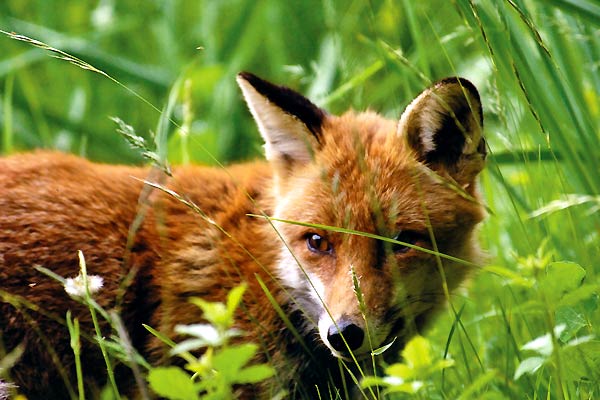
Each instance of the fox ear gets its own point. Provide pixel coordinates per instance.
(443, 125)
(288, 122)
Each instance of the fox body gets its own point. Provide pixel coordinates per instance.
(412, 181)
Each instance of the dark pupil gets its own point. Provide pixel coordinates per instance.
(317, 243)
(406, 237)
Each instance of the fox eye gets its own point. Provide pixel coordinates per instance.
(409, 237)
(317, 243)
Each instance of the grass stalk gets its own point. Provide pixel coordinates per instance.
(99, 337)
(73, 326)
(7, 111)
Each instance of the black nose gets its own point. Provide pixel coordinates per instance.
(353, 334)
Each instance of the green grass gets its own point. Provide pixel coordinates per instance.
(534, 62)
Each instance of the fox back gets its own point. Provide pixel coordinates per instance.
(357, 226)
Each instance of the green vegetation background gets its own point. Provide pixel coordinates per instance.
(536, 64)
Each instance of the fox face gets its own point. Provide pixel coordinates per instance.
(376, 217)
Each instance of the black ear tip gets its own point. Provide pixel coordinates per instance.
(288, 100)
(462, 82)
(247, 76)
(465, 86)
(253, 80)
(262, 86)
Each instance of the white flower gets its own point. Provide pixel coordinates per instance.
(5, 389)
(76, 286)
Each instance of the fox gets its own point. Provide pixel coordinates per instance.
(356, 228)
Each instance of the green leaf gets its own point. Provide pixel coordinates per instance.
(586, 294)
(511, 275)
(572, 320)
(215, 313)
(561, 278)
(383, 348)
(583, 8)
(441, 364)
(417, 353)
(254, 374)
(591, 303)
(406, 387)
(401, 371)
(230, 360)
(235, 297)
(172, 383)
(582, 361)
(371, 381)
(160, 336)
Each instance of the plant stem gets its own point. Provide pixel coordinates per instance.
(99, 337)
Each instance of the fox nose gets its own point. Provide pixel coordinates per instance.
(353, 334)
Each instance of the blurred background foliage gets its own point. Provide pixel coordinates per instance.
(313, 46)
(535, 63)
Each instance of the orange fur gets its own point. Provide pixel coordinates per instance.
(359, 173)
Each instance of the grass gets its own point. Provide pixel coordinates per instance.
(534, 62)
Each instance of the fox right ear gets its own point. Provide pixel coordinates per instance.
(288, 122)
(444, 125)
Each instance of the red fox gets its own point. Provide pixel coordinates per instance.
(412, 180)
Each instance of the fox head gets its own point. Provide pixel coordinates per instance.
(383, 211)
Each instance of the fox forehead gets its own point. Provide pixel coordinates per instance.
(364, 177)
(361, 164)
(365, 138)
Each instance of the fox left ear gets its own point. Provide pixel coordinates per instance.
(288, 122)
(443, 125)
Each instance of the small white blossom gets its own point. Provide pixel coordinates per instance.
(76, 286)
(5, 389)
